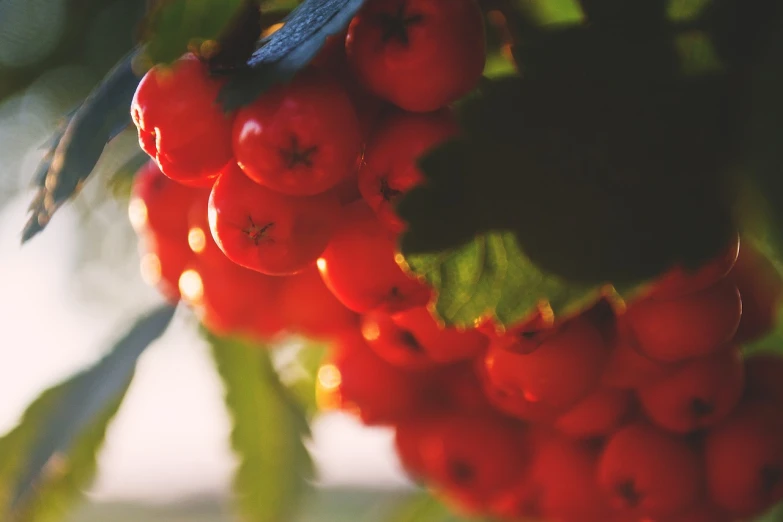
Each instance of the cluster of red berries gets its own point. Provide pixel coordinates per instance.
(280, 217)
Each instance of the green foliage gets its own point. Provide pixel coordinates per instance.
(425, 508)
(174, 25)
(268, 433)
(48, 459)
(289, 49)
(76, 148)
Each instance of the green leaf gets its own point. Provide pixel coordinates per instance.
(48, 459)
(289, 49)
(76, 148)
(269, 428)
(490, 276)
(175, 24)
(299, 373)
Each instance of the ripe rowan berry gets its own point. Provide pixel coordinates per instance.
(301, 138)
(180, 123)
(311, 309)
(697, 394)
(598, 414)
(647, 472)
(413, 339)
(565, 367)
(690, 326)
(267, 231)
(761, 287)
(359, 265)
(680, 281)
(744, 460)
(390, 160)
(163, 259)
(627, 367)
(418, 54)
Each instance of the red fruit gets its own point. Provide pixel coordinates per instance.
(680, 281)
(512, 402)
(454, 387)
(598, 414)
(562, 369)
(180, 123)
(200, 237)
(703, 513)
(744, 459)
(761, 286)
(311, 309)
(390, 160)
(408, 436)
(697, 394)
(159, 204)
(690, 326)
(627, 367)
(473, 455)
(267, 231)
(382, 393)
(413, 339)
(301, 138)
(564, 471)
(230, 299)
(764, 377)
(418, 54)
(647, 472)
(359, 266)
(519, 502)
(163, 259)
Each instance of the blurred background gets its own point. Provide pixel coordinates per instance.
(70, 292)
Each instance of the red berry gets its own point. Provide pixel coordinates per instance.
(473, 455)
(311, 309)
(697, 394)
(627, 367)
(647, 472)
(163, 259)
(159, 204)
(764, 377)
(267, 231)
(761, 286)
(705, 512)
(509, 400)
(690, 326)
(598, 414)
(744, 458)
(564, 471)
(301, 138)
(390, 161)
(359, 266)
(418, 54)
(413, 339)
(563, 369)
(680, 281)
(180, 123)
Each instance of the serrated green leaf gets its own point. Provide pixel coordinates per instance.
(47, 460)
(490, 276)
(76, 149)
(289, 49)
(174, 24)
(268, 432)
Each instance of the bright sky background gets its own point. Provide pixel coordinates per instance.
(170, 438)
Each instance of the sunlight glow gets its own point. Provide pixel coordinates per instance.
(191, 286)
(197, 240)
(137, 213)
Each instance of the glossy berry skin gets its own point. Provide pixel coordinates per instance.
(744, 460)
(698, 394)
(359, 266)
(159, 205)
(420, 55)
(695, 325)
(647, 472)
(564, 472)
(301, 138)
(564, 367)
(311, 309)
(680, 281)
(266, 231)
(180, 123)
(473, 455)
(761, 287)
(412, 339)
(597, 415)
(390, 160)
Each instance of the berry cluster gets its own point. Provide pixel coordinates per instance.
(280, 217)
